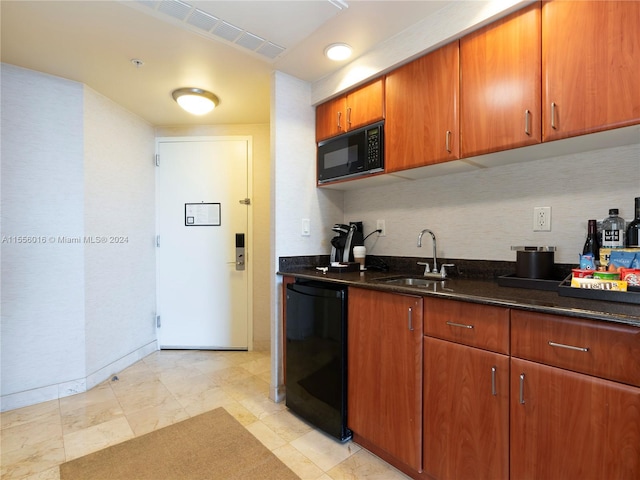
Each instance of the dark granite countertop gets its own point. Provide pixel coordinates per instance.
(476, 282)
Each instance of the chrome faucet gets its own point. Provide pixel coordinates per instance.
(435, 261)
(442, 274)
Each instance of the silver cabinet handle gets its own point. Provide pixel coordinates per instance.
(447, 141)
(522, 389)
(339, 119)
(410, 318)
(349, 116)
(461, 325)
(553, 116)
(494, 390)
(527, 122)
(570, 347)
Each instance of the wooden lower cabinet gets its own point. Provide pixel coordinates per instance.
(466, 412)
(568, 425)
(461, 404)
(385, 374)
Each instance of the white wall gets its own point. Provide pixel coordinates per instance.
(481, 214)
(119, 180)
(293, 196)
(74, 165)
(42, 198)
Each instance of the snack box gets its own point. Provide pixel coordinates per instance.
(605, 253)
(582, 273)
(606, 275)
(599, 284)
(631, 276)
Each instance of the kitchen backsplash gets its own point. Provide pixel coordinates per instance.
(481, 214)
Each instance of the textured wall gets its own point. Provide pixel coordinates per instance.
(42, 198)
(294, 196)
(119, 205)
(75, 167)
(293, 154)
(481, 214)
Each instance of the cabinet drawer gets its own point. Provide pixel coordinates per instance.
(481, 326)
(603, 349)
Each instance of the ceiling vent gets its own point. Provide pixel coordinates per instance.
(175, 8)
(211, 26)
(202, 20)
(227, 31)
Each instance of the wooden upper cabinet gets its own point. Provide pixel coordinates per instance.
(365, 105)
(500, 75)
(421, 106)
(331, 118)
(360, 107)
(591, 66)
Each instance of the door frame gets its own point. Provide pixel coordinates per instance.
(248, 242)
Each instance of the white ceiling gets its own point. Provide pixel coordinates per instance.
(93, 42)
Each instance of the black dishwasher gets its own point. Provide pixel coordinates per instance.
(316, 355)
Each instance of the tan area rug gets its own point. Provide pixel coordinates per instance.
(213, 445)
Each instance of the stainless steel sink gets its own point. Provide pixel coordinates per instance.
(409, 281)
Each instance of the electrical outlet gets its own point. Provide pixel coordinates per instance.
(380, 226)
(542, 219)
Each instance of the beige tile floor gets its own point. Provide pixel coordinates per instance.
(164, 388)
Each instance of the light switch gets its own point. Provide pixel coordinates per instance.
(306, 227)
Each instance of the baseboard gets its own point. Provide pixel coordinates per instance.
(72, 387)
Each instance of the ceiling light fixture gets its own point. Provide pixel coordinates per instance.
(195, 100)
(338, 51)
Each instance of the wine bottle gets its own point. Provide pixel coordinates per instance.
(592, 244)
(633, 230)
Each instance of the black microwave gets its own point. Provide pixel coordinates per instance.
(356, 153)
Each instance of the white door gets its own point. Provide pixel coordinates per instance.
(201, 215)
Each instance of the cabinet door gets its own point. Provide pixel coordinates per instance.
(365, 105)
(590, 66)
(421, 101)
(466, 412)
(385, 372)
(500, 68)
(331, 118)
(570, 425)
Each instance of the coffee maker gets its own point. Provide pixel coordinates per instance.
(348, 237)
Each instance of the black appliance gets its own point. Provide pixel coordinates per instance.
(341, 244)
(316, 355)
(352, 154)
